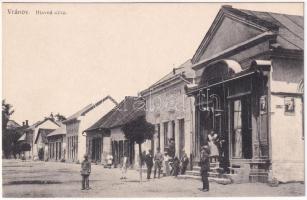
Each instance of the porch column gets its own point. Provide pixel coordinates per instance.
(162, 137)
(177, 138)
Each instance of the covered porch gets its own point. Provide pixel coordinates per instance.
(232, 103)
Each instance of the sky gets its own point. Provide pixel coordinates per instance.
(61, 63)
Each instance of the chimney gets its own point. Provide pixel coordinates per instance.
(226, 6)
(23, 123)
(27, 122)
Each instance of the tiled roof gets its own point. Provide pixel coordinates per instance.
(290, 27)
(185, 69)
(126, 111)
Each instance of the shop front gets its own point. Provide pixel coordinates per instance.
(231, 102)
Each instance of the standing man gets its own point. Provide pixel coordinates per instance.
(85, 173)
(158, 162)
(205, 167)
(184, 162)
(149, 163)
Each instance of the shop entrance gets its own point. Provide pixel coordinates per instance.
(240, 128)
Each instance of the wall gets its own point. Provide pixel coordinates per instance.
(171, 104)
(232, 33)
(287, 143)
(87, 121)
(46, 125)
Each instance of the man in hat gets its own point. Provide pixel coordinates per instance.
(85, 173)
(158, 159)
(205, 166)
(149, 163)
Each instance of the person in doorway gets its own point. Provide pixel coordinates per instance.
(212, 140)
(158, 159)
(205, 166)
(171, 148)
(149, 163)
(85, 173)
(184, 162)
(176, 166)
(124, 166)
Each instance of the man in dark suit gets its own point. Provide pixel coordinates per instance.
(205, 166)
(85, 172)
(149, 163)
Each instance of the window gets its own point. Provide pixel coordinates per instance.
(165, 131)
(158, 132)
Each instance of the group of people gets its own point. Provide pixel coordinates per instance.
(165, 163)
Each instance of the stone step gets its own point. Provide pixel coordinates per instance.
(258, 178)
(193, 173)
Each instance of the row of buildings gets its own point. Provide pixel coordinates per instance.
(245, 82)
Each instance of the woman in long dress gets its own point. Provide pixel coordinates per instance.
(212, 137)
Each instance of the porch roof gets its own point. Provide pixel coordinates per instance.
(59, 131)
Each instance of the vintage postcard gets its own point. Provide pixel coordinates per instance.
(153, 99)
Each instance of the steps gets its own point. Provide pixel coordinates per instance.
(215, 174)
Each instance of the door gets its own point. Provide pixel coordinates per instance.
(240, 128)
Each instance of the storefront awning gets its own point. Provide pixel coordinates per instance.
(193, 90)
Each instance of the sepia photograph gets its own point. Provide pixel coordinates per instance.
(160, 99)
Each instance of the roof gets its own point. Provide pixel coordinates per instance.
(88, 108)
(11, 124)
(79, 113)
(59, 131)
(290, 27)
(286, 31)
(36, 124)
(43, 133)
(126, 111)
(184, 69)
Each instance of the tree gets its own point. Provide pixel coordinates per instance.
(138, 131)
(6, 113)
(60, 117)
(7, 136)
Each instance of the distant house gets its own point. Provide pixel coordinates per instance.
(76, 124)
(35, 136)
(57, 144)
(106, 137)
(41, 143)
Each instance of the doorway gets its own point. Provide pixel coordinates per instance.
(240, 128)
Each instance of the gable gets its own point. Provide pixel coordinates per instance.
(227, 34)
(48, 125)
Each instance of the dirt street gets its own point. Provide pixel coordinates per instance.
(53, 179)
